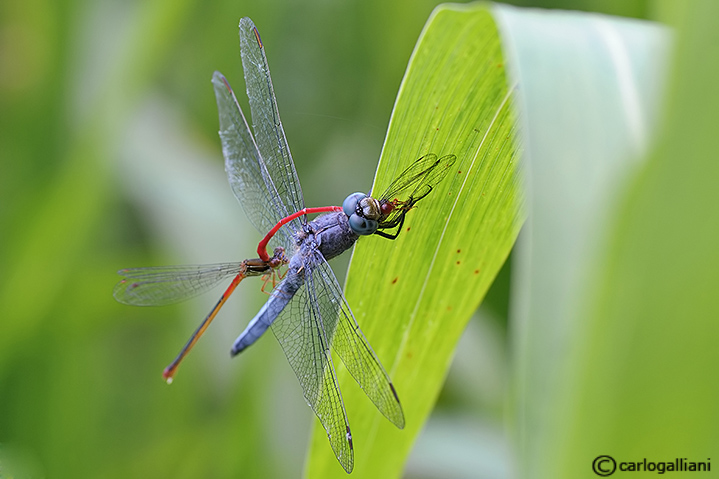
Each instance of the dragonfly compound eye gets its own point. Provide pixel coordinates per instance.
(349, 205)
(362, 226)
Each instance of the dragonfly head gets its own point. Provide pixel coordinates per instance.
(360, 210)
(349, 205)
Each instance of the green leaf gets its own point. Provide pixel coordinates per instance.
(413, 296)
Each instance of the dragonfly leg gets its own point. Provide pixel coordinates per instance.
(392, 236)
(266, 279)
(275, 276)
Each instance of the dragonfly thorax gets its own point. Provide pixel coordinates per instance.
(369, 208)
(331, 234)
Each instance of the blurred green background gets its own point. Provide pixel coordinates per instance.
(109, 158)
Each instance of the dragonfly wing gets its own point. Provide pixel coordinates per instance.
(423, 173)
(300, 330)
(281, 296)
(279, 169)
(244, 166)
(350, 344)
(170, 284)
(415, 182)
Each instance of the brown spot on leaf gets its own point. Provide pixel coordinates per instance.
(395, 280)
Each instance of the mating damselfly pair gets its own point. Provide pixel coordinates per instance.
(306, 309)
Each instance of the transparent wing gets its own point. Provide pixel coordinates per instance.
(420, 176)
(270, 136)
(301, 332)
(319, 318)
(244, 166)
(351, 345)
(170, 284)
(415, 183)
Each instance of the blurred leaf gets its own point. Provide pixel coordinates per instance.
(72, 206)
(609, 308)
(414, 296)
(53, 405)
(644, 384)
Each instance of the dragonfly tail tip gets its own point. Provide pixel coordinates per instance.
(167, 375)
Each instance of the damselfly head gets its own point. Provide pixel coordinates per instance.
(278, 257)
